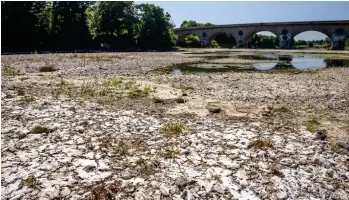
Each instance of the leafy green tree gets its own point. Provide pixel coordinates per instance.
(347, 44)
(24, 25)
(155, 30)
(263, 42)
(193, 23)
(224, 40)
(113, 23)
(215, 44)
(191, 41)
(69, 28)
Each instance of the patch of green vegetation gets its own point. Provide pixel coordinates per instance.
(312, 125)
(9, 71)
(31, 182)
(335, 147)
(171, 129)
(27, 99)
(112, 82)
(136, 92)
(47, 68)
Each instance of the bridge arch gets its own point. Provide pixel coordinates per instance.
(190, 39)
(253, 40)
(223, 39)
(326, 42)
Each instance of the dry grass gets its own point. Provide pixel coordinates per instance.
(98, 58)
(9, 71)
(103, 191)
(217, 178)
(313, 125)
(145, 167)
(20, 92)
(170, 154)
(170, 130)
(261, 144)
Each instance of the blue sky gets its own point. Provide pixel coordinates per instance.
(223, 12)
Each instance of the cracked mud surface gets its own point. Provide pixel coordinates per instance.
(97, 130)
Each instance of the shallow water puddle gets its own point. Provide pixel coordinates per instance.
(302, 62)
(279, 62)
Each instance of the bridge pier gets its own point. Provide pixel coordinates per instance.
(205, 40)
(338, 41)
(285, 39)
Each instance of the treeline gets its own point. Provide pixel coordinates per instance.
(302, 44)
(71, 25)
(263, 42)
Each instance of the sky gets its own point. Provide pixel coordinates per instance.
(223, 12)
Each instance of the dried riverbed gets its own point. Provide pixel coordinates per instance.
(123, 126)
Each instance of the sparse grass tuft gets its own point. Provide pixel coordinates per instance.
(31, 182)
(335, 147)
(145, 167)
(104, 191)
(47, 68)
(217, 178)
(312, 125)
(26, 99)
(7, 70)
(283, 109)
(136, 92)
(95, 58)
(261, 144)
(169, 154)
(171, 129)
(20, 92)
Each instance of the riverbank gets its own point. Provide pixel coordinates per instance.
(120, 119)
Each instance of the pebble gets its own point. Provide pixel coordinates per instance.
(320, 135)
(164, 191)
(214, 109)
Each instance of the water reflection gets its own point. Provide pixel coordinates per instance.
(308, 63)
(300, 62)
(281, 63)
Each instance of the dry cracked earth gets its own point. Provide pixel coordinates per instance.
(118, 126)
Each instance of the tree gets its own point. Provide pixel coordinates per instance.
(191, 41)
(113, 22)
(224, 40)
(69, 28)
(24, 25)
(192, 23)
(263, 42)
(155, 31)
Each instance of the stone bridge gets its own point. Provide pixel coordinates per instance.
(337, 31)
